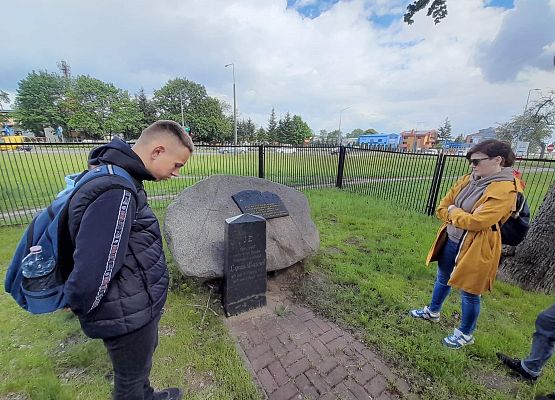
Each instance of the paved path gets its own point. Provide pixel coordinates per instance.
(298, 355)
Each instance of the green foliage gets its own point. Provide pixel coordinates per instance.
(202, 113)
(246, 131)
(370, 131)
(437, 10)
(40, 101)
(285, 129)
(271, 132)
(301, 131)
(125, 117)
(368, 274)
(89, 101)
(48, 357)
(4, 98)
(330, 137)
(534, 126)
(444, 132)
(261, 135)
(355, 133)
(147, 108)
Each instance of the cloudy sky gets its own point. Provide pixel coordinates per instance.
(308, 57)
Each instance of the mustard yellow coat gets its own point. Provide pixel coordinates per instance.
(480, 248)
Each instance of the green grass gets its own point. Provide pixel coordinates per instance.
(31, 180)
(370, 272)
(46, 357)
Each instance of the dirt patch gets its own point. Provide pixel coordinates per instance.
(164, 330)
(14, 396)
(503, 383)
(71, 374)
(198, 381)
(353, 240)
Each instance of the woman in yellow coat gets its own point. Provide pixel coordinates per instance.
(468, 244)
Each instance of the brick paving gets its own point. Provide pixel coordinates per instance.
(302, 356)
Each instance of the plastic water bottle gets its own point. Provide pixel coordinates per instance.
(35, 265)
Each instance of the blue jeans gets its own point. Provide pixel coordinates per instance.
(470, 302)
(543, 342)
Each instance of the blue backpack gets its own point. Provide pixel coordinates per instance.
(49, 229)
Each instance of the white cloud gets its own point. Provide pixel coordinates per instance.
(393, 77)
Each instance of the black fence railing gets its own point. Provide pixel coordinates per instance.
(31, 177)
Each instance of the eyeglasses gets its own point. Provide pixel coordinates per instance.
(476, 161)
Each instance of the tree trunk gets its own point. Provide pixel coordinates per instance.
(533, 265)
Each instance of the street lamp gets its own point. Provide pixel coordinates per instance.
(339, 134)
(234, 105)
(182, 117)
(524, 114)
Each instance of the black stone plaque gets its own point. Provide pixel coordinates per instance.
(265, 204)
(244, 263)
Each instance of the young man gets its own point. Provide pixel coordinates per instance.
(543, 345)
(119, 282)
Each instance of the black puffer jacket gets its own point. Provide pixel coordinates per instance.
(119, 281)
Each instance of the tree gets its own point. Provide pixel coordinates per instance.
(125, 117)
(444, 132)
(370, 131)
(246, 131)
(459, 139)
(90, 102)
(285, 129)
(4, 98)
(202, 113)
(532, 266)
(40, 101)
(355, 133)
(147, 108)
(261, 135)
(534, 126)
(271, 132)
(301, 131)
(437, 10)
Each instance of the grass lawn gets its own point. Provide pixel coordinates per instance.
(370, 272)
(47, 357)
(367, 275)
(31, 180)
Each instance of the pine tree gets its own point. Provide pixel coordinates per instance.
(271, 132)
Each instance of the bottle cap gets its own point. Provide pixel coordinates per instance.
(35, 249)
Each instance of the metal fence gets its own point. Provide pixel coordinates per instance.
(30, 178)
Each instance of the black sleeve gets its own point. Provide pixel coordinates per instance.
(100, 248)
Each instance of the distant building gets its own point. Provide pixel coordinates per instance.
(480, 136)
(414, 140)
(380, 139)
(7, 128)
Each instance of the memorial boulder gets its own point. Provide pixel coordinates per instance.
(195, 223)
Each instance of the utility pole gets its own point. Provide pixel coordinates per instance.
(234, 105)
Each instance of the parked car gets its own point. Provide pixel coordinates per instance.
(286, 149)
(431, 151)
(232, 150)
(335, 150)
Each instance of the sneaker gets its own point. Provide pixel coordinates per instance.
(426, 314)
(550, 396)
(516, 365)
(458, 340)
(169, 394)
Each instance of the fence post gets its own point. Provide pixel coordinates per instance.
(261, 161)
(340, 167)
(436, 184)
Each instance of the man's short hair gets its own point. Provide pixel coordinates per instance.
(172, 127)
